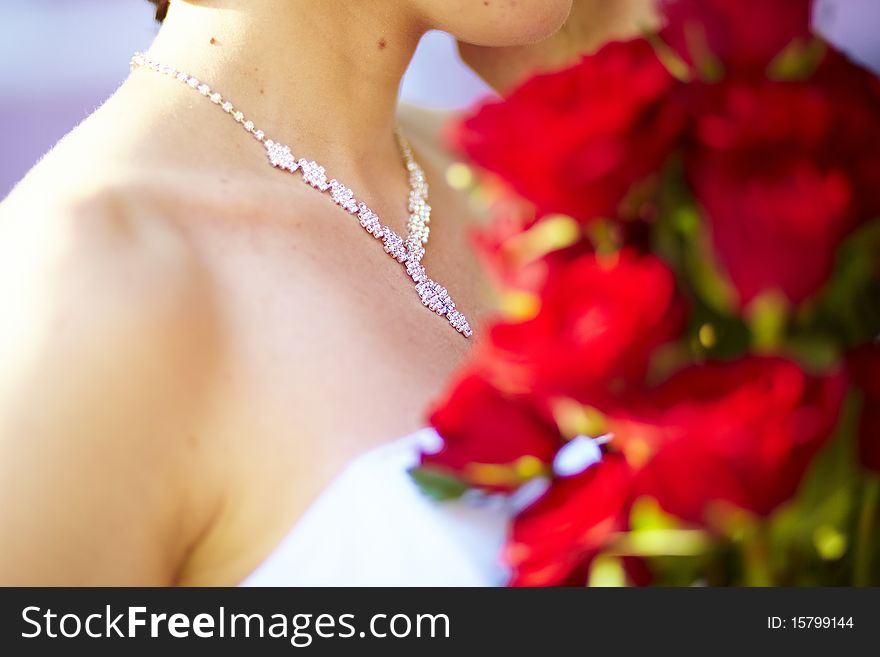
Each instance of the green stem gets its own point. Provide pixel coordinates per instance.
(865, 533)
(756, 557)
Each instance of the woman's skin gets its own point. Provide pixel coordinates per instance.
(590, 24)
(194, 343)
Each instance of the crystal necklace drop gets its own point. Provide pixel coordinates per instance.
(409, 252)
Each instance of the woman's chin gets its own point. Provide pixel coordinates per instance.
(515, 23)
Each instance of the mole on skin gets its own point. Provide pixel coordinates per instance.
(382, 43)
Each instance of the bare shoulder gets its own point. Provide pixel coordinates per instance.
(107, 345)
(97, 251)
(97, 218)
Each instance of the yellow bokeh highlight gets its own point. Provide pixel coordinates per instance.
(830, 542)
(575, 419)
(646, 514)
(607, 571)
(491, 474)
(707, 336)
(661, 542)
(519, 306)
(551, 233)
(529, 467)
(508, 474)
(459, 176)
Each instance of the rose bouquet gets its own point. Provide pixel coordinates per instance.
(684, 372)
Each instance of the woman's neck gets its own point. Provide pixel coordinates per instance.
(322, 77)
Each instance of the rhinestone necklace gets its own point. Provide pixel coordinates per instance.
(408, 252)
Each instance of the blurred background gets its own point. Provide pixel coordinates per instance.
(62, 58)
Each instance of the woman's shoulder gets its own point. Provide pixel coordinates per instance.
(94, 265)
(99, 201)
(106, 344)
(98, 228)
(101, 285)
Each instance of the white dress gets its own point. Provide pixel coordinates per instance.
(373, 526)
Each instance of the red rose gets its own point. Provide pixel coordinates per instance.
(742, 432)
(742, 35)
(565, 141)
(599, 321)
(864, 368)
(761, 118)
(481, 427)
(784, 172)
(558, 535)
(774, 229)
(853, 93)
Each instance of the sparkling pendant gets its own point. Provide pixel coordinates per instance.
(434, 296)
(408, 252)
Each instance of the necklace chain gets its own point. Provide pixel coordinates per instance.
(409, 252)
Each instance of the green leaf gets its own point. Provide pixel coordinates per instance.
(709, 67)
(825, 504)
(438, 485)
(847, 309)
(676, 66)
(798, 61)
(707, 278)
(767, 317)
(682, 239)
(818, 353)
